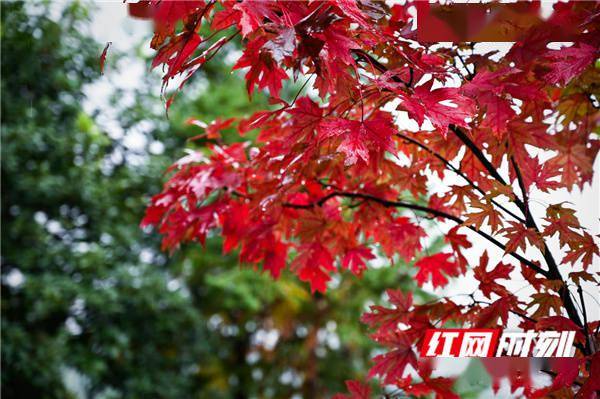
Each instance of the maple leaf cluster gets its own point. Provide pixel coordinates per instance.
(333, 180)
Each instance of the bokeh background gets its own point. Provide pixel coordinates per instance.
(91, 306)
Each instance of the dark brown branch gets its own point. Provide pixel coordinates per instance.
(529, 221)
(458, 172)
(300, 91)
(477, 152)
(471, 76)
(522, 187)
(417, 207)
(554, 272)
(588, 343)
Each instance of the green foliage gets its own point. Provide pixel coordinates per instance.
(75, 295)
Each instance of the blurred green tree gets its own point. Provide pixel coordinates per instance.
(76, 298)
(90, 306)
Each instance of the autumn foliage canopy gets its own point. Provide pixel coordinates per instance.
(335, 179)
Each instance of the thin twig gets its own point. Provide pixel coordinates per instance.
(471, 76)
(458, 172)
(585, 319)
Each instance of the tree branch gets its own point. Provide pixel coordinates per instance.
(588, 343)
(526, 211)
(458, 172)
(554, 272)
(477, 152)
(470, 75)
(417, 207)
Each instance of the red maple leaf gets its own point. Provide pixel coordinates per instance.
(563, 221)
(572, 158)
(545, 302)
(569, 62)
(498, 113)
(488, 211)
(306, 118)
(264, 71)
(567, 371)
(435, 268)
(518, 235)
(401, 236)
(103, 57)
(355, 258)
(213, 129)
(275, 259)
(337, 44)
(489, 316)
(350, 9)
(235, 225)
(545, 176)
(584, 249)
(388, 318)
(314, 264)
(176, 53)
(442, 106)
(391, 365)
(359, 139)
(440, 386)
(252, 15)
(458, 241)
(168, 12)
(488, 279)
(357, 390)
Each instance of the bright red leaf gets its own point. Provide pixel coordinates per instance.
(436, 268)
